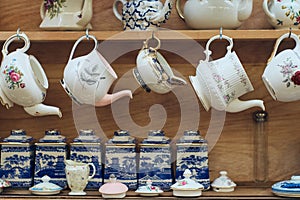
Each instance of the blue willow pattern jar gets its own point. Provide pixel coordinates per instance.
(49, 158)
(155, 160)
(120, 159)
(192, 154)
(86, 148)
(17, 157)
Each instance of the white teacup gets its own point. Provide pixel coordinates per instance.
(219, 83)
(78, 176)
(282, 74)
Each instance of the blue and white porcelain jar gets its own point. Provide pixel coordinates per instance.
(120, 159)
(17, 157)
(155, 160)
(192, 154)
(50, 155)
(86, 148)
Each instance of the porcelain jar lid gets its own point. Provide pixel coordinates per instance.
(288, 188)
(187, 183)
(122, 137)
(88, 136)
(45, 186)
(53, 136)
(191, 136)
(149, 188)
(156, 137)
(18, 135)
(113, 186)
(223, 181)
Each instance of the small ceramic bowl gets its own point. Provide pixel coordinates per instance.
(113, 189)
(223, 183)
(45, 188)
(149, 190)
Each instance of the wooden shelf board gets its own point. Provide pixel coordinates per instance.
(242, 192)
(265, 34)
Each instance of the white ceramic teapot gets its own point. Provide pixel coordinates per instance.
(283, 13)
(78, 176)
(142, 14)
(212, 14)
(66, 15)
(23, 80)
(282, 74)
(219, 83)
(153, 72)
(88, 78)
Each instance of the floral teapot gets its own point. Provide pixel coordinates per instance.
(23, 80)
(142, 14)
(66, 14)
(282, 13)
(219, 83)
(212, 14)
(88, 78)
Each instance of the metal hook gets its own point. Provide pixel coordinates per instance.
(87, 34)
(18, 33)
(290, 32)
(221, 33)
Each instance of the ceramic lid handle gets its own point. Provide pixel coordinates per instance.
(14, 37)
(94, 171)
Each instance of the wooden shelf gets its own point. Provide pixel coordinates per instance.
(267, 34)
(239, 193)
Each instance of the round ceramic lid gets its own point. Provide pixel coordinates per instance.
(113, 187)
(187, 183)
(223, 181)
(45, 186)
(149, 188)
(288, 187)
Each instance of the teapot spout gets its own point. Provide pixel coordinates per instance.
(245, 9)
(43, 110)
(110, 98)
(238, 105)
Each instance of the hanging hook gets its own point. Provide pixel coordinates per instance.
(221, 33)
(290, 32)
(18, 33)
(87, 34)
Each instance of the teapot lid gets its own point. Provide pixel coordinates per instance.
(53, 136)
(45, 186)
(187, 183)
(156, 137)
(113, 186)
(4, 183)
(18, 135)
(288, 187)
(149, 188)
(223, 181)
(87, 135)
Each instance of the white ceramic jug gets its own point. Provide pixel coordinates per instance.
(78, 176)
(72, 15)
(23, 80)
(282, 13)
(213, 14)
(142, 14)
(219, 83)
(282, 74)
(88, 78)
(153, 72)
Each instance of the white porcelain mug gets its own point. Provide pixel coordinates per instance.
(282, 73)
(219, 83)
(78, 176)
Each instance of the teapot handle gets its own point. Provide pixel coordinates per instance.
(279, 40)
(115, 8)
(179, 11)
(208, 52)
(79, 40)
(42, 10)
(94, 171)
(267, 11)
(14, 37)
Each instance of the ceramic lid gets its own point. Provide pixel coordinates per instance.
(113, 187)
(53, 136)
(45, 186)
(87, 135)
(122, 137)
(187, 183)
(149, 188)
(190, 136)
(4, 183)
(223, 181)
(156, 137)
(288, 188)
(18, 135)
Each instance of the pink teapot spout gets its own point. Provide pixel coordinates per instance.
(110, 98)
(237, 105)
(42, 110)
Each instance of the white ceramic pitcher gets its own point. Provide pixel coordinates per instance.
(78, 176)
(212, 14)
(282, 74)
(282, 13)
(23, 80)
(88, 78)
(73, 15)
(219, 83)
